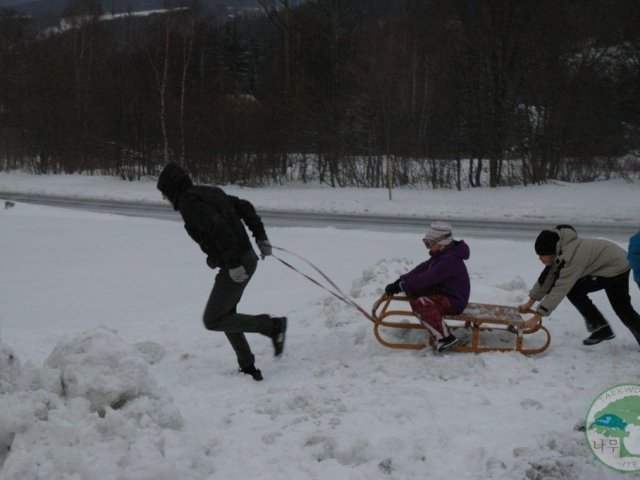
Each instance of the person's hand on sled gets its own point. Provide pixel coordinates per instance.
(526, 307)
(532, 322)
(393, 288)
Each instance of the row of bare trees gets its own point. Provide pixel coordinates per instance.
(449, 93)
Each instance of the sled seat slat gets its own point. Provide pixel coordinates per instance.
(479, 313)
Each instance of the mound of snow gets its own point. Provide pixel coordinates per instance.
(373, 280)
(104, 414)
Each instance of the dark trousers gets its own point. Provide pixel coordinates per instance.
(617, 290)
(220, 313)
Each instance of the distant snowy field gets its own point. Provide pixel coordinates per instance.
(107, 373)
(614, 201)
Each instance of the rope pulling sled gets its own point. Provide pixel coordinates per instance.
(476, 318)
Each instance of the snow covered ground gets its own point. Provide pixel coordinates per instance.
(107, 373)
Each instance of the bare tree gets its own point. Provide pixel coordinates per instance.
(159, 61)
(279, 13)
(188, 30)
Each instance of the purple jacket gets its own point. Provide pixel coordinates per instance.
(443, 274)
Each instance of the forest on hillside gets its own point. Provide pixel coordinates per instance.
(444, 93)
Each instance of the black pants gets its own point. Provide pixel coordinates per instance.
(617, 290)
(220, 313)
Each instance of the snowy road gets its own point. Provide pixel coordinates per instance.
(481, 228)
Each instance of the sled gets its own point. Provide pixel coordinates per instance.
(477, 318)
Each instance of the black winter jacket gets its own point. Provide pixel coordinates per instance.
(214, 220)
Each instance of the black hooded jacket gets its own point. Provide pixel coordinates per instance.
(211, 217)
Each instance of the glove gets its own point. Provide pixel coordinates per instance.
(526, 307)
(265, 248)
(393, 288)
(238, 274)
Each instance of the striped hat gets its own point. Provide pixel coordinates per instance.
(439, 232)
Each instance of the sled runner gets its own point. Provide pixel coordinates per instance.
(477, 318)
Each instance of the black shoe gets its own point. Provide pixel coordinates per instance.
(603, 333)
(278, 334)
(253, 371)
(446, 343)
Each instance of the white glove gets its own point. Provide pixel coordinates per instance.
(265, 248)
(238, 274)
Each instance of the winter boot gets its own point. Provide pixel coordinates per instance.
(253, 371)
(446, 343)
(603, 333)
(278, 334)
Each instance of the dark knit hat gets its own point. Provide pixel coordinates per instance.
(546, 242)
(173, 180)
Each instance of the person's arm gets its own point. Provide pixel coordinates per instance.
(542, 286)
(425, 276)
(544, 283)
(567, 276)
(249, 216)
(396, 287)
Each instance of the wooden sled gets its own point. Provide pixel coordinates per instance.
(477, 317)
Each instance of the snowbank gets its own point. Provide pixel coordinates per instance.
(93, 410)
